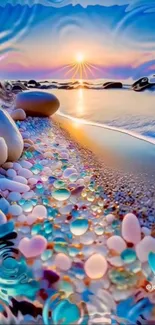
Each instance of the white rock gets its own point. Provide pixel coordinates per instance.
(146, 231)
(3, 151)
(11, 173)
(131, 230)
(32, 181)
(144, 247)
(26, 164)
(16, 166)
(20, 179)
(26, 135)
(14, 196)
(8, 165)
(116, 261)
(11, 135)
(3, 218)
(39, 211)
(28, 195)
(25, 173)
(63, 262)
(7, 184)
(110, 218)
(18, 115)
(15, 210)
(116, 243)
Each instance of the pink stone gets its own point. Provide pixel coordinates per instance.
(131, 230)
(144, 247)
(116, 243)
(32, 247)
(96, 266)
(63, 262)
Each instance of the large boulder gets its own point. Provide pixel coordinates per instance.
(37, 103)
(11, 135)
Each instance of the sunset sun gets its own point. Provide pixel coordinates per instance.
(79, 58)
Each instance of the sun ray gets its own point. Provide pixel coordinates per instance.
(77, 69)
(92, 66)
(90, 70)
(84, 69)
(71, 69)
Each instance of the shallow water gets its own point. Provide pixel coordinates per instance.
(124, 110)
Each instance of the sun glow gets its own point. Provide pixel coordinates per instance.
(80, 69)
(80, 58)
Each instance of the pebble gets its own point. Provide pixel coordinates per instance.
(4, 205)
(144, 247)
(96, 266)
(16, 166)
(39, 211)
(26, 164)
(11, 173)
(63, 262)
(18, 115)
(131, 230)
(15, 210)
(116, 243)
(146, 231)
(3, 151)
(14, 196)
(7, 184)
(20, 179)
(110, 218)
(32, 181)
(26, 173)
(8, 165)
(3, 218)
(32, 247)
(79, 226)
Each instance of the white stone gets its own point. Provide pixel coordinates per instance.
(11, 135)
(18, 115)
(131, 230)
(39, 211)
(7, 184)
(26, 164)
(96, 266)
(15, 210)
(32, 181)
(16, 166)
(146, 231)
(110, 218)
(63, 262)
(8, 165)
(116, 243)
(144, 247)
(25, 173)
(28, 195)
(20, 179)
(3, 151)
(11, 173)
(3, 218)
(14, 196)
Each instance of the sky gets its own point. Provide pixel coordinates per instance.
(46, 39)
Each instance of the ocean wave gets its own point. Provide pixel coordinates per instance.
(136, 135)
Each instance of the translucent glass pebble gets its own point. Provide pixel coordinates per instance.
(66, 313)
(27, 206)
(79, 226)
(61, 194)
(128, 255)
(59, 184)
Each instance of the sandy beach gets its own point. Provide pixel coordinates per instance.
(76, 231)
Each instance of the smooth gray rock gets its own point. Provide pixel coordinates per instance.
(37, 103)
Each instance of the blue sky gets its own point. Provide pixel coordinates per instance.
(42, 38)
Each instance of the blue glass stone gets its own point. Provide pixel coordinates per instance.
(151, 261)
(52, 179)
(6, 228)
(128, 255)
(66, 313)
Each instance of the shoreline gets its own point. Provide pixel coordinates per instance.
(76, 204)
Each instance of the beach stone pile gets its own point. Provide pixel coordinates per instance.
(82, 259)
